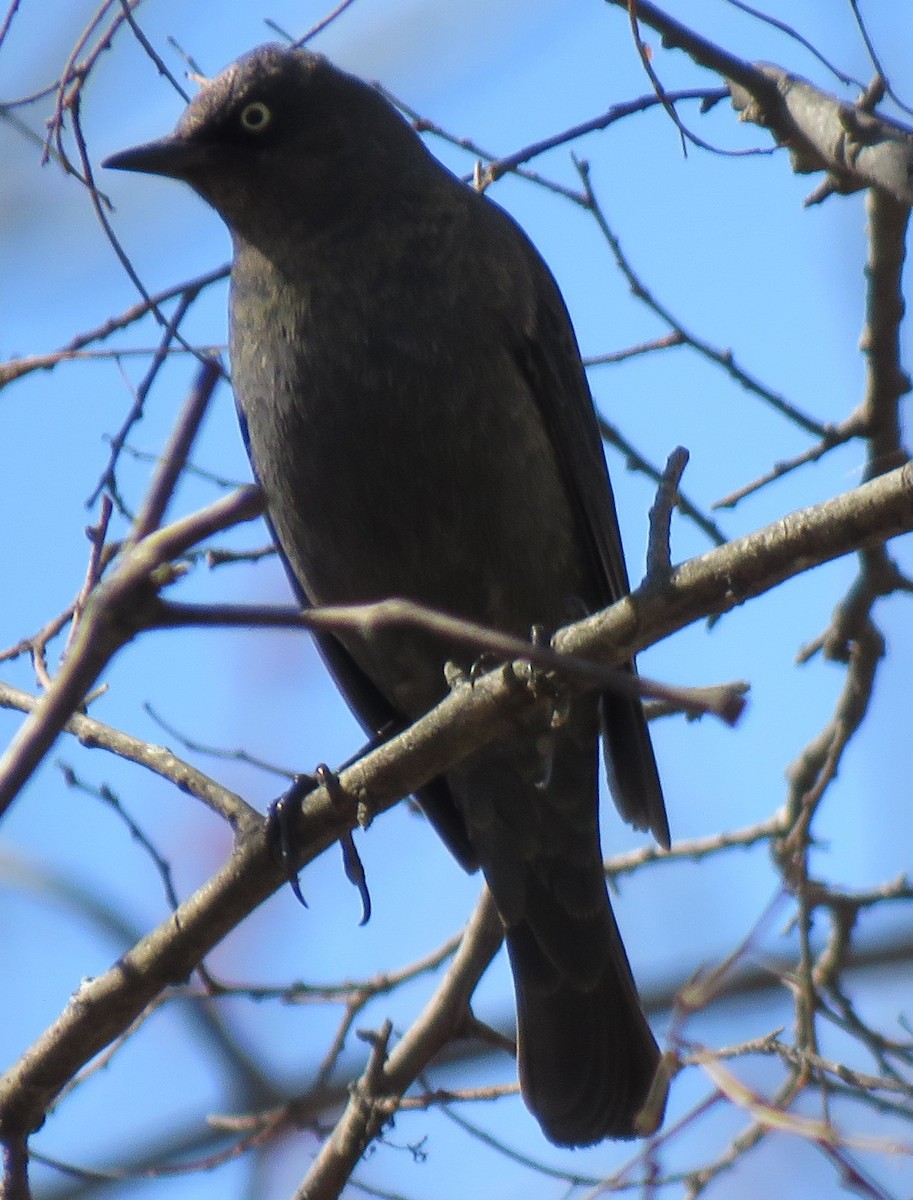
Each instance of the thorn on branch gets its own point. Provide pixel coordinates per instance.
(371, 1088)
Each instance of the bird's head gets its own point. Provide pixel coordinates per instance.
(282, 137)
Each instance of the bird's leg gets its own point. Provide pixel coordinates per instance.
(545, 743)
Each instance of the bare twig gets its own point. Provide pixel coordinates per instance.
(804, 42)
(835, 435)
(136, 409)
(441, 1020)
(636, 461)
(659, 547)
(110, 612)
(17, 367)
(724, 701)
(151, 51)
(722, 358)
(321, 25)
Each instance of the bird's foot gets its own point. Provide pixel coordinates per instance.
(281, 819)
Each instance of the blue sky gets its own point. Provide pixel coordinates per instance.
(726, 245)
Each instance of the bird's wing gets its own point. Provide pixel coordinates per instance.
(374, 712)
(381, 721)
(550, 360)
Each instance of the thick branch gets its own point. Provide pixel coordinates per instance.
(886, 380)
(468, 718)
(855, 147)
(722, 579)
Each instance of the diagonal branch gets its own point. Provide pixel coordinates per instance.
(467, 719)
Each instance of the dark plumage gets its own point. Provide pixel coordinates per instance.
(417, 413)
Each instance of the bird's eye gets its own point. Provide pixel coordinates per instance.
(255, 116)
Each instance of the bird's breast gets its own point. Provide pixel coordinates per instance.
(403, 454)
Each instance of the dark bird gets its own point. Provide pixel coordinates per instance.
(417, 413)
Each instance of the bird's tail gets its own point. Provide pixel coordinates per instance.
(586, 1055)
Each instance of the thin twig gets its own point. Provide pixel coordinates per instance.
(722, 358)
(659, 544)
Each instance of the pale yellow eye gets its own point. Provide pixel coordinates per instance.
(255, 116)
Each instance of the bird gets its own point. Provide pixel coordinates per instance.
(417, 413)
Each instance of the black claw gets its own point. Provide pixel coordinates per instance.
(281, 822)
(351, 862)
(281, 818)
(355, 873)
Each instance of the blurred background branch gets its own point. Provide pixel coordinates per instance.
(715, 312)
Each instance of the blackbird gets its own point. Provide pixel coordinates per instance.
(416, 410)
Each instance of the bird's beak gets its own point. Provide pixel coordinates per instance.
(173, 156)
